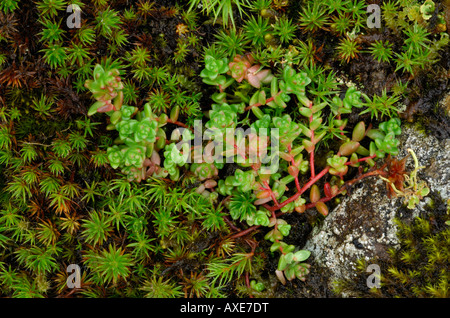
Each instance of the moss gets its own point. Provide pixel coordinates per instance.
(418, 268)
(55, 179)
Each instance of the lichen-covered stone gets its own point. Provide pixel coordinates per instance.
(431, 153)
(362, 226)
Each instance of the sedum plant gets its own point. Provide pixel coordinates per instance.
(134, 150)
(156, 205)
(255, 191)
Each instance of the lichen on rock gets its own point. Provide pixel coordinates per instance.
(362, 226)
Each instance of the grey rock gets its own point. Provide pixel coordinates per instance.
(362, 225)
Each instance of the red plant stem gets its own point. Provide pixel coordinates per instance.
(278, 206)
(247, 282)
(316, 178)
(245, 232)
(271, 192)
(175, 122)
(360, 160)
(258, 104)
(274, 216)
(299, 193)
(311, 162)
(378, 172)
(240, 153)
(267, 101)
(235, 228)
(297, 184)
(350, 182)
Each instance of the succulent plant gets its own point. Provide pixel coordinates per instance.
(239, 67)
(105, 88)
(288, 129)
(294, 82)
(213, 68)
(222, 117)
(204, 170)
(297, 137)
